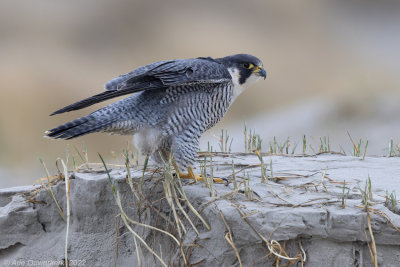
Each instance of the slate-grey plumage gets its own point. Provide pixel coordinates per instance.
(173, 103)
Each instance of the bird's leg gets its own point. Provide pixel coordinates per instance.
(191, 175)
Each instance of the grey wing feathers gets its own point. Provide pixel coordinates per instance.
(197, 70)
(159, 75)
(115, 84)
(100, 98)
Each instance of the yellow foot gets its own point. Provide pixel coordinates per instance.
(192, 175)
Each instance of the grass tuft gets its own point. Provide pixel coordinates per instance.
(325, 146)
(225, 142)
(392, 199)
(126, 219)
(358, 147)
(49, 189)
(264, 176)
(345, 194)
(366, 194)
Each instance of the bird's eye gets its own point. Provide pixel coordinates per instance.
(248, 65)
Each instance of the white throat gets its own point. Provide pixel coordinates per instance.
(237, 87)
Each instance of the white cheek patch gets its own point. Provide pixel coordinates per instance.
(235, 76)
(237, 87)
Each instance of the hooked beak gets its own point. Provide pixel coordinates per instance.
(260, 71)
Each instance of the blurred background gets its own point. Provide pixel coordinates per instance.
(333, 67)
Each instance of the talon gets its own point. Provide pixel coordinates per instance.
(191, 175)
(218, 180)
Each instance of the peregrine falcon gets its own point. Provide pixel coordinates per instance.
(172, 103)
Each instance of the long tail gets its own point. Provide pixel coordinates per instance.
(79, 127)
(133, 88)
(118, 117)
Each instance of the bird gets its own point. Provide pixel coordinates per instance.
(171, 104)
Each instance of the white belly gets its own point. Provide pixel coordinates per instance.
(147, 140)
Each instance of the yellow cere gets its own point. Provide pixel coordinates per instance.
(257, 69)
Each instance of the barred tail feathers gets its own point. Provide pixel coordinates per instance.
(79, 127)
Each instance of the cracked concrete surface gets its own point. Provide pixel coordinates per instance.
(300, 205)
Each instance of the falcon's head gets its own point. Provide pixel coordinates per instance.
(245, 69)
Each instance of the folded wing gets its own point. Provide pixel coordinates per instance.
(159, 75)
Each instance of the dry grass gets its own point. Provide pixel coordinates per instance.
(183, 213)
(274, 247)
(372, 246)
(174, 195)
(229, 237)
(48, 187)
(67, 192)
(127, 221)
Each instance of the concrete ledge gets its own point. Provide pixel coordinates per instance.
(301, 208)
